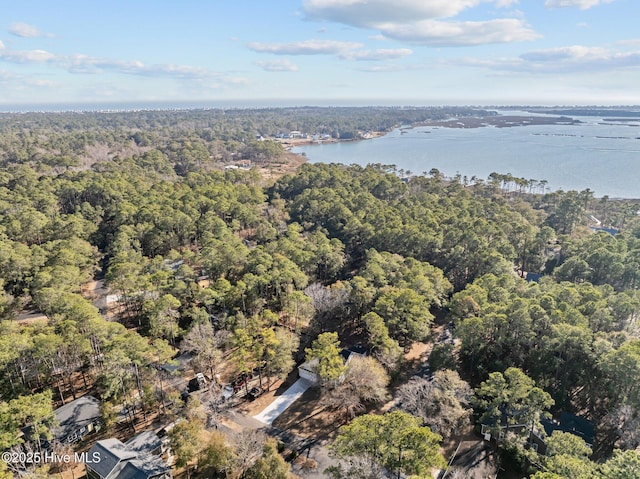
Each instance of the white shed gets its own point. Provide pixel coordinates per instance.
(308, 371)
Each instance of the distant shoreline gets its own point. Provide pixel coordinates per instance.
(289, 143)
(501, 121)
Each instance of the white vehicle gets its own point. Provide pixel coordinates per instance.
(202, 381)
(227, 392)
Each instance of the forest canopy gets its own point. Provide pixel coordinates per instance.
(228, 264)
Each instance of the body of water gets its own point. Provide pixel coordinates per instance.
(597, 154)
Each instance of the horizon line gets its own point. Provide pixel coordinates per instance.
(254, 104)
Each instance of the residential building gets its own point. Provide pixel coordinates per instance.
(570, 423)
(138, 458)
(77, 419)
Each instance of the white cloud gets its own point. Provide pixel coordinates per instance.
(571, 59)
(581, 58)
(307, 47)
(42, 83)
(79, 63)
(422, 22)
(368, 13)
(5, 75)
(278, 66)
(376, 55)
(26, 56)
(86, 64)
(437, 33)
(576, 52)
(238, 81)
(351, 51)
(25, 30)
(393, 67)
(9, 79)
(634, 42)
(581, 4)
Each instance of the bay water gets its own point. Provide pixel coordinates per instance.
(601, 155)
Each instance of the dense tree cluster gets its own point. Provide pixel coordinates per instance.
(189, 139)
(229, 269)
(576, 340)
(395, 441)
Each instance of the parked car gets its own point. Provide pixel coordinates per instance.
(202, 381)
(241, 380)
(254, 393)
(198, 383)
(260, 369)
(228, 392)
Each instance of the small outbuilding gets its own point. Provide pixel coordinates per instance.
(308, 370)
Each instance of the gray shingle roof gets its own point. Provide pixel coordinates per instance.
(76, 415)
(132, 460)
(111, 452)
(144, 468)
(145, 442)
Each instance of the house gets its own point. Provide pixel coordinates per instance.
(486, 430)
(357, 350)
(611, 231)
(576, 425)
(535, 439)
(532, 277)
(308, 370)
(296, 134)
(570, 423)
(146, 442)
(77, 419)
(173, 265)
(138, 458)
(113, 456)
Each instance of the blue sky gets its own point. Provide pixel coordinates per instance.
(471, 52)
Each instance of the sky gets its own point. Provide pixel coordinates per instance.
(324, 52)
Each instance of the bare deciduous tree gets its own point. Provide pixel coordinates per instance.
(206, 344)
(358, 467)
(442, 401)
(326, 299)
(214, 405)
(364, 382)
(248, 447)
